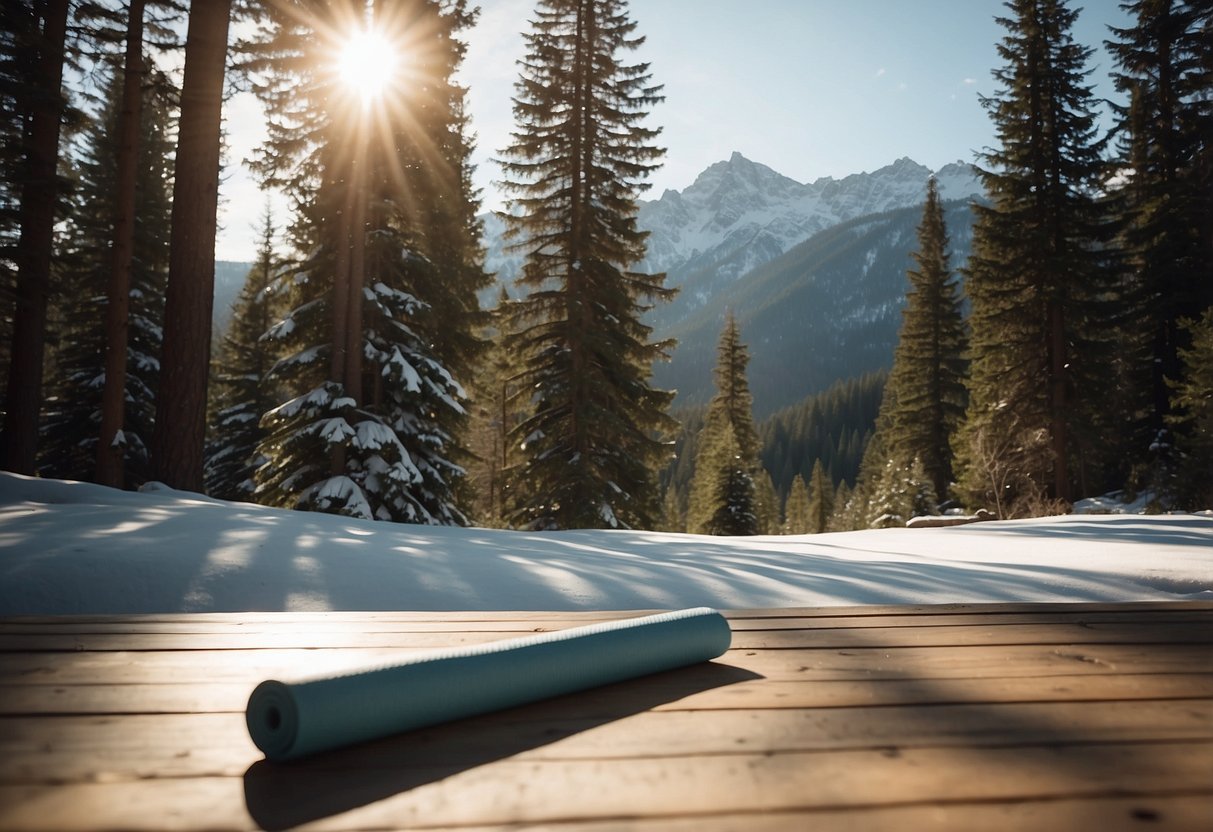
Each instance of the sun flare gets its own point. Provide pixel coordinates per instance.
(367, 63)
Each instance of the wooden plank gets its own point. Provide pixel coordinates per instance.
(63, 750)
(580, 617)
(1010, 661)
(240, 624)
(513, 791)
(34, 699)
(1105, 814)
(984, 608)
(1132, 632)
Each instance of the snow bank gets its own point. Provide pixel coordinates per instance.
(77, 548)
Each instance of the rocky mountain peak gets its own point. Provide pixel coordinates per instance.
(739, 214)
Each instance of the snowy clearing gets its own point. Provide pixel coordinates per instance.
(70, 547)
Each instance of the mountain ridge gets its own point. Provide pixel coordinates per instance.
(726, 241)
(742, 207)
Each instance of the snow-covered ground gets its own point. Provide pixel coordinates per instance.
(77, 548)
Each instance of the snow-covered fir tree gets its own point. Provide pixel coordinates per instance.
(903, 492)
(369, 428)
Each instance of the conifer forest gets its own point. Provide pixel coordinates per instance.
(374, 367)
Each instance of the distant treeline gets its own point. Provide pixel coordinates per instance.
(833, 426)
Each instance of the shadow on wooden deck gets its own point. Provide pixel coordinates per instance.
(284, 795)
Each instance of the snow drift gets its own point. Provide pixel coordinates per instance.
(75, 548)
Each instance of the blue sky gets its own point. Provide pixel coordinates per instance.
(811, 88)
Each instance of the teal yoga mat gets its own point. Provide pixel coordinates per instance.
(290, 720)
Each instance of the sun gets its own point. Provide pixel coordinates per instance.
(367, 63)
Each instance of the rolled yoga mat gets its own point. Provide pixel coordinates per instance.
(290, 720)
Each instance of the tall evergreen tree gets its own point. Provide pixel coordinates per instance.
(766, 501)
(734, 500)
(19, 34)
(731, 408)
(491, 424)
(673, 518)
(1192, 417)
(122, 250)
(839, 517)
(72, 411)
(796, 512)
(240, 389)
(859, 509)
(1165, 61)
(929, 371)
(589, 442)
(386, 217)
(903, 492)
(180, 429)
(821, 500)
(39, 102)
(1037, 276)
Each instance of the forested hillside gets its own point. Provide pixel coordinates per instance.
(826, 310)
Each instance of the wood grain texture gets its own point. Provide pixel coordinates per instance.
(101, 699)
(985, 717)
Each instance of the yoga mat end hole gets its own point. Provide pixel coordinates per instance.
(273, 717)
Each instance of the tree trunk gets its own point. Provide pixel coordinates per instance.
(178, 437)
(23, 399)
(1058, 404)
(353, 328)
(110, 454)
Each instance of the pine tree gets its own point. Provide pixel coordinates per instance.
(766, 501)
(672, 515)
(859, 509)
(734, 499)
(928, 366)
(1037, 278)
(38, 101)
(491, 423)
(589, 440)
(839, 518)
(821, 500)
(796, 512)
(17, 32)
(180, 427)
(1192, 417)
(110, 448)
(903, 492)
(387, 226)
(1165, 62)
(72, 411)
(731, 408)
(240, 390)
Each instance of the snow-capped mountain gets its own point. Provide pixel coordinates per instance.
(815, 273)
(739, 214)
(827, 309)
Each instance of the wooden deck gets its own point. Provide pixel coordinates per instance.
(1075, 717)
